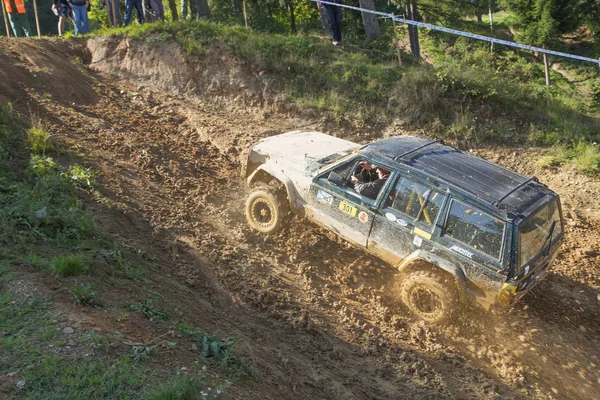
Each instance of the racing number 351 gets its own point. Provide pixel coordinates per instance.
(347, 208)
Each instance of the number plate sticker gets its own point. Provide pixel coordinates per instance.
(347, 208)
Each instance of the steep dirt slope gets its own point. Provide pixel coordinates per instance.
(318, 317)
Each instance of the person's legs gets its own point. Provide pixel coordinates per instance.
(113, 7)
(140, 11)
(77, 19)
(331, 15)
(337, 33)
(154, 7)
(84, 21)
(161, 10)
(61, 25)
(128, 9)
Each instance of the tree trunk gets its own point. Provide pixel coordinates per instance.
(203, 9)
(290, 4)
(479, 17)
(173, 8)
(370, 20)
(413, 32)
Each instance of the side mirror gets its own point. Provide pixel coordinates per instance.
(336, 179)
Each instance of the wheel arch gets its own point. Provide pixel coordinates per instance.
(265, 174)
(423, 261)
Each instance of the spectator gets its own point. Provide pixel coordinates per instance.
(129, 4)
(17, 15)
(334, 13)
(113, 9)
(80, 16)
(159, 10)
(63, 10)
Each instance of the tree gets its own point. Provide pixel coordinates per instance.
(542, 21)
(370, 21)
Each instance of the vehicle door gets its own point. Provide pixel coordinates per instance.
(406, 219)
(475, 241)
(336, 205)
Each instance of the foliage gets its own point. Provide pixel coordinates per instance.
(39, 140)
(222, 352)
(149, 311)
(585, 158)
(542, 21)
(85, 295)
(69, 265)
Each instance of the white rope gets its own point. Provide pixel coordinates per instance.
(465, 34)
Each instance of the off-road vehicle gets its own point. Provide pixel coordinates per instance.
(458, 228)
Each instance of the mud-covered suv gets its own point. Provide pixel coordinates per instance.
(459, 228)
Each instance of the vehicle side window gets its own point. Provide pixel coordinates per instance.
(345, 170)
(475, 229)
(416, 200)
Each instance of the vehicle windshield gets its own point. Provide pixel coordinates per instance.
(538, 231)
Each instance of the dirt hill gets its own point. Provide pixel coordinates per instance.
(166, 134)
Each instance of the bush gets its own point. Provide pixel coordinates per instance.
(39, 140)
(69, 265)
(85, 295)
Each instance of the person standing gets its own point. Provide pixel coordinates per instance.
(113, 9)
(17, 15)
(129, 4)
(334, 13)
(63, 10)
(80, 16)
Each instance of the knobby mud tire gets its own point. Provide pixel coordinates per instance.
(430, 296)
(266, 210)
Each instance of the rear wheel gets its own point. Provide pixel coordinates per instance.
(430, 296)
(264, 210)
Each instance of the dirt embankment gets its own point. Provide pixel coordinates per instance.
(318, 317)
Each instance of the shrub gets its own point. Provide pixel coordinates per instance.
(85, 295)
(149, 310)
(39, 140)
(69, 265)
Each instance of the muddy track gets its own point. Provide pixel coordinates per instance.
(319, 318)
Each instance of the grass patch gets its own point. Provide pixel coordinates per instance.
(69, 265)
(149, 311)
(584, 158)
(85, 295)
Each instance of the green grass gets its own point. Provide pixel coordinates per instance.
(69, 265)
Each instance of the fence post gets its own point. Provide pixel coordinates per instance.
(5, 20)
(546, 68)
(37, 20)
(396, 41)
(245, 15)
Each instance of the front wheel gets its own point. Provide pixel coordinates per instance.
(264, 210)
(430, 296)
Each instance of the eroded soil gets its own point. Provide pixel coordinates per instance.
(318, 317)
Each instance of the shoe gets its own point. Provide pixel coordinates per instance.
(336, 43)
